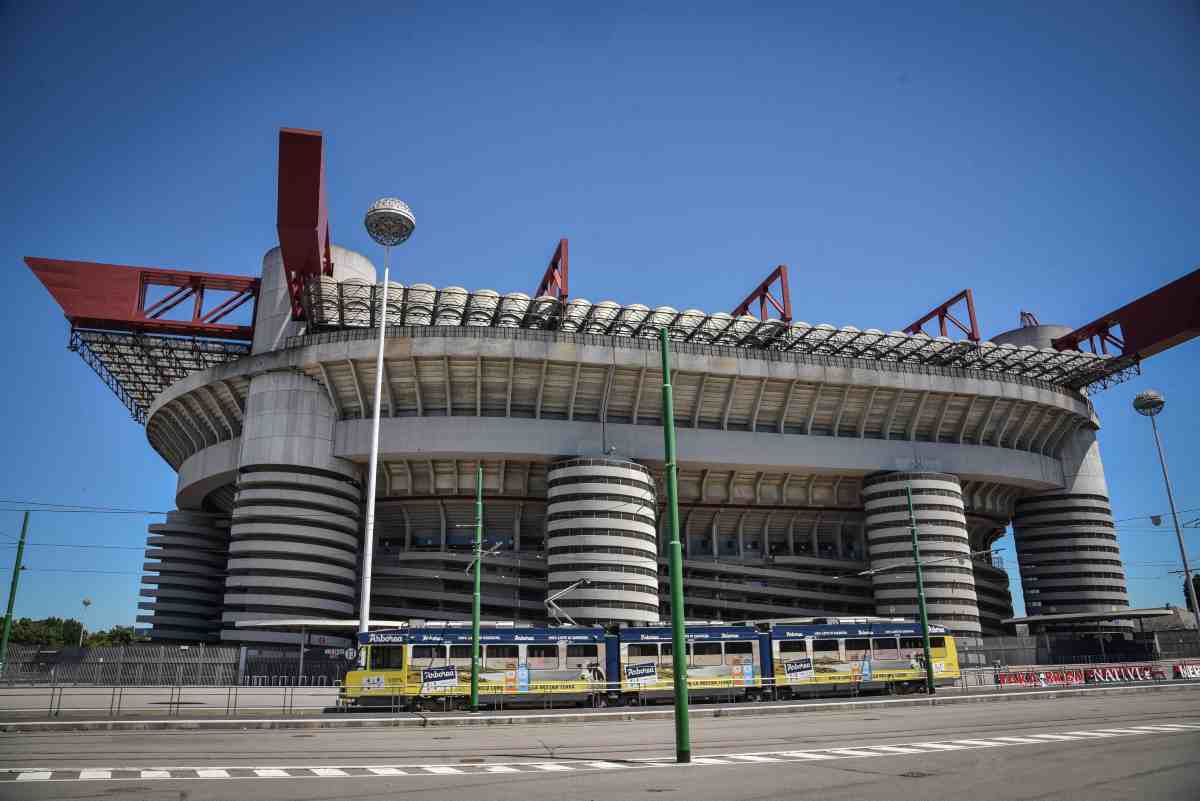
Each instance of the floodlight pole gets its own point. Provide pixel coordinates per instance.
(912, 522)
(12, 595)
(683, 740)
(364, 601)
(1189, 589)
(475, 601)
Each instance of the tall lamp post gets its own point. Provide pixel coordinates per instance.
(390, 222)
(1149, 404)
(924, 614)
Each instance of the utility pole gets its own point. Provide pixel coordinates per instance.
(912, 522)
(12, 594)
(683, 738)
(475, 603)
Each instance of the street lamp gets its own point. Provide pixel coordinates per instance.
(1150, 403)
(390, 222)
(86, 603)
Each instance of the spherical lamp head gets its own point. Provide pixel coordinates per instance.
(390, 221)
(1149, 403)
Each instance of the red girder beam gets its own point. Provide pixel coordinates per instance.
(762, 294)
(556, 278)
(1162, 319)
(113, 297)
(942, 313)
(303, 217)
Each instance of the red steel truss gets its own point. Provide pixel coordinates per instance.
(303, 217)
(1166, 317)
(555, 280)
(762, 293)
(942, 313)
(113, 297)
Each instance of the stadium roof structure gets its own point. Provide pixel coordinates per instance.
(1091, 617)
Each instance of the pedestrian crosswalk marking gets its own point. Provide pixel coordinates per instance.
(34, 776)
(343, 772)
(896, 749)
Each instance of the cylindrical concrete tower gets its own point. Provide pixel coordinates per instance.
(1067, 543)
(942, 534)
(188, 554)
(600, 525)
(295, 533)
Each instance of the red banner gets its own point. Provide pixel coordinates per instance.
(1040, 678)
(1122, 673)
(1187, 670)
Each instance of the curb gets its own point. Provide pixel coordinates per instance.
(514, 719)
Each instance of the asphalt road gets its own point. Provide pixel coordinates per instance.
(1142, 746)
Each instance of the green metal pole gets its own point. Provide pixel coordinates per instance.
(912, 521)
(475, 597)
(683, 737)
(12, 594)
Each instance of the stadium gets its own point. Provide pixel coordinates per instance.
(796, 445)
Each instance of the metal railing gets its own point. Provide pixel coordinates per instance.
(59, 701)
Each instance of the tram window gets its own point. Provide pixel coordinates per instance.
(387, 657)
(738, 653)
(500, 656)
(428, 654)
(856, 649)
(668, 650)
(582, 655)
(541, 656)
(827, 651)
(911, 647)
(706, 653)
(936, 645)
(643, 649)
(885, 648)
(793, 647)
(460, 655)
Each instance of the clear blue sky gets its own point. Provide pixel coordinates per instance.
(891, 156)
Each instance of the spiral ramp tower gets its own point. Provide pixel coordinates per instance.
(600, 526)
(186, 558)
(943, 542)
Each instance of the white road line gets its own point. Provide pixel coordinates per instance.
(1165, 727)
(33, 776)
(212, 773)
(851, 752)
(499, 769)
(444, 770)
(156, 774)
(895, 749)
(979, 743)
(271, 773)
(1092, 734)
(601, 765)
(940, 746)
(329, 773)
(387, 771)
(1053, 737)
(549, 766)
(804, 755)
(753, 758)
(84, 775)
(1122, 731)
(709, 761)
(1020, 740)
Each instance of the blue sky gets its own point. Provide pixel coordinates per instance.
(891, 156)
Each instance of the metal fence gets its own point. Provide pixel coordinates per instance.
(93, 702)
(173, 666)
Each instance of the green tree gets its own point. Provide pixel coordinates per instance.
(50, 632)
(117, 635)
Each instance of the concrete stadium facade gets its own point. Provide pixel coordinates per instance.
(792, 474)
